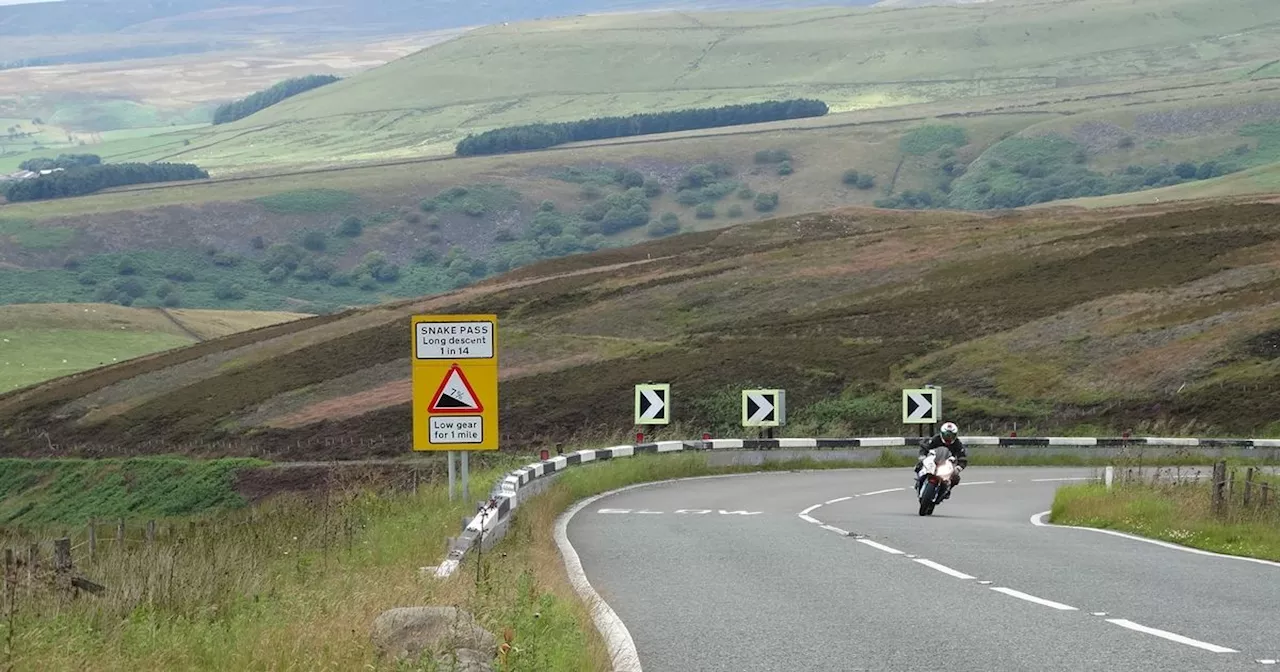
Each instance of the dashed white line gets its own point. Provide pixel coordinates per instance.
(880, 546)
(806, 511)
(943, 568)
(1032, 598)
(977, 483)
(810, 519)
(837, 500)
(1170, 636)
(1266, 661)
(881, 492)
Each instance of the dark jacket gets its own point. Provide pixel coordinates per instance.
(957, 449)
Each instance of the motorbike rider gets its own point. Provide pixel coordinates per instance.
(949, 438)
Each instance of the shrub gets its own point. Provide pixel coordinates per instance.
(705, 211)
(735, 210)
(652, 188)
(351, 227)
(866, 181)
(503, 236)
(590, 192)
(474, 208)
(165, 289)
(772, 156)
(257, 243)
(180, 275)
(173, 300)
(850, 177)
(127, 267)
(546, 206)
(87, 278)
(413, 218)
(785, 168)
(433, 222)
(766, 202)
(71, 263)
(227, 259)
(228, 291)
(746, 193)
(663, 227)
(315, 241)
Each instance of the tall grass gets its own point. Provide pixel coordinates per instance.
(1177, 506)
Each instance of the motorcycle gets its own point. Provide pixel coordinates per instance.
(937, 467)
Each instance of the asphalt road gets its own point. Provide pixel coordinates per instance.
(828, 571)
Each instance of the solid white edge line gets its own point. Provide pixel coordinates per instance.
(837, 500)
(1032, 598)
(809, 519)
(834, 529)
(806, 511)
(622, 649)
(881, 492)
(1038, 521)
(1170, 636)
(882, 547)
(1051, 480)
(943, 568)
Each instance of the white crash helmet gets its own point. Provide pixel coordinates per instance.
(949, 430)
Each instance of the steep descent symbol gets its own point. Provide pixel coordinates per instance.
(455, 395)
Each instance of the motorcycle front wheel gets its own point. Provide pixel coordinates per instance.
(927, 494)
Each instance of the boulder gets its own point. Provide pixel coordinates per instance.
(412, 631)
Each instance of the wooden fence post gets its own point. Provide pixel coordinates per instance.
(10, 580)
(33, 559)
(62, 563)
(151, 532)
(1248, 486)
(119, 532)
(1219, 485)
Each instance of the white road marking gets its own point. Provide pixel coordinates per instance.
(1050, 480)
(977, 483)
(985, 583)
(1171, 636)
(1038, 521)
(806, 511)
(837, 500)
(1032, 598)
(613, 511)
(1099, 613)
(881, 492)
(834, 529)
(882, 547)
(1266, 661)
(809, 519)
(943, 568)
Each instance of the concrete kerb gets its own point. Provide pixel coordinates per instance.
(491, 522)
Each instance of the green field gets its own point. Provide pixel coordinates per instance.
(40, 342)
(564, 69)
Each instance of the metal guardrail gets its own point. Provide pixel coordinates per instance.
(491, 520)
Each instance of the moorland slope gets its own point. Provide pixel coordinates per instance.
(1149, 319)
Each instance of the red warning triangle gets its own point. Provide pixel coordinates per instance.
(455, 395)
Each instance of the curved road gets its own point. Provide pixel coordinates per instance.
(833, 570)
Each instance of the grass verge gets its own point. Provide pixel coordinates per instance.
(295, 582)
(1178, 513)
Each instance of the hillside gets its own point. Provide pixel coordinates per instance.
(39, 342)
(973, 107)
(851, 58)
(1156, 320)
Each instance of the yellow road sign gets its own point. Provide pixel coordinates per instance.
(455, 382)
(653, 404)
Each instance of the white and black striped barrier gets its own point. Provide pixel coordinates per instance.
(489, 525)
